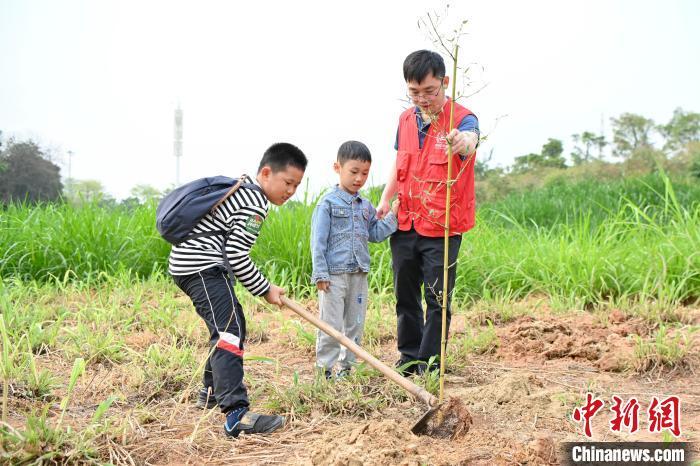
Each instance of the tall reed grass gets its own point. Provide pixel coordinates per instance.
(583, 243)
(56, 239)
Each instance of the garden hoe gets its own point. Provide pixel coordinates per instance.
(446, 420)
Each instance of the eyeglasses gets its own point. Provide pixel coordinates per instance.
(428, 94)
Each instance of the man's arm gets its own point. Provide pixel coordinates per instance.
(390, 188)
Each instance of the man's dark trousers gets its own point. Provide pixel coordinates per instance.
(418, 262)
(213, 297)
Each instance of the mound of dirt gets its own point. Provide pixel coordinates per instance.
(384, 442)
(514, 388)
(514, 396)
(607, 347)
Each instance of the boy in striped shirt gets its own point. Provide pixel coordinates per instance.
(198, 269)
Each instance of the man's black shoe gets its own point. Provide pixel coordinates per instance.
(421, 368)
(410, 367)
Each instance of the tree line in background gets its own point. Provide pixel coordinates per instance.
(632, 136)
(28, 173)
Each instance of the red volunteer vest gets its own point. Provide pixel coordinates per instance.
(421, 176)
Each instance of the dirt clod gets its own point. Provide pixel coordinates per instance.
(540, 450)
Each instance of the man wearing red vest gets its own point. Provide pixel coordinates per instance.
(419, 178)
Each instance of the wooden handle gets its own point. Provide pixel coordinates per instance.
(419, 392)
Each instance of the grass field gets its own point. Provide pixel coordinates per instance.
(592, 287)
(633, 240)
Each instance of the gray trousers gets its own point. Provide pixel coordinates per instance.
(343, 306)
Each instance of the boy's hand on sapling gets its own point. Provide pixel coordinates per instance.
(274, 294)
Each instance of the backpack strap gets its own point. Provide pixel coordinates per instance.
(228, 194)
(244, 180)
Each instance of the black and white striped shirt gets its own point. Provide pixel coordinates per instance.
(242, 214)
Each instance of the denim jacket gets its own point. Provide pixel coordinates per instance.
(341, 226)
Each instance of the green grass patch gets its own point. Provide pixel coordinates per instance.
(578, 243)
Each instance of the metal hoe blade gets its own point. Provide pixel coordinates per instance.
(420, 427)
(447, 420)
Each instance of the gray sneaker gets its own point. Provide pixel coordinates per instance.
(252, 423)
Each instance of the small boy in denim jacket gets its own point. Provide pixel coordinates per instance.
(341, 226)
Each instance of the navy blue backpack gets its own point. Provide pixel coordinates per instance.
(182, 209)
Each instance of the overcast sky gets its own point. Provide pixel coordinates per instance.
(103, 78)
